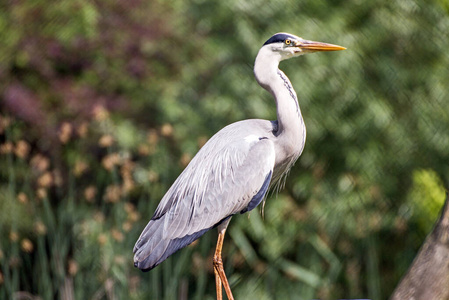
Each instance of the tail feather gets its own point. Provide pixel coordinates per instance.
(152, 248)
(152, 229)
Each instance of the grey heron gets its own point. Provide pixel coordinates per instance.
(233, 171)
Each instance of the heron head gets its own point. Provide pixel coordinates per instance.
(288, 45)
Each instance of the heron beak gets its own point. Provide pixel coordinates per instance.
(318, 46)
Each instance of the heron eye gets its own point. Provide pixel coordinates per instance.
(288, 42)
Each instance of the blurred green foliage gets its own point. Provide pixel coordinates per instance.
(426, 185)
(104, 103)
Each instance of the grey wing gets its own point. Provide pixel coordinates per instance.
(220, 181)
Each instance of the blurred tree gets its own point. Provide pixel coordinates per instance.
(103, 104)
(427, 277)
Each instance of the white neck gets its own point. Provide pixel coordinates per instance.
(268, 75)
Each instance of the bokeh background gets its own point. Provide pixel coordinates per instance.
(103, 103)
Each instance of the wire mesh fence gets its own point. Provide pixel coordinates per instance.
(104, 103)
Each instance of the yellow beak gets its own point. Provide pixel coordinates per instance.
(318, 46)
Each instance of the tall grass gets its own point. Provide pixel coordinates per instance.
(70, 217)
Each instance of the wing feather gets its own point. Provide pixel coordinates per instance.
(222, 179)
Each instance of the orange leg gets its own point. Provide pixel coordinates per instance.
(218, 283)
(220, 276)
